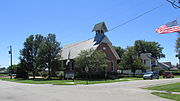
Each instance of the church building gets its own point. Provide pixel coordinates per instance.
(99, 42)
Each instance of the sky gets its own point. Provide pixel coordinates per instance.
(73, 21)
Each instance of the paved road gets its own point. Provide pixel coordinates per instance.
(122, 91)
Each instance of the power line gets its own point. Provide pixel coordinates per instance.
(136, 17)
(175, 4)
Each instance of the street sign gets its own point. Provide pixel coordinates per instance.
(87, 69)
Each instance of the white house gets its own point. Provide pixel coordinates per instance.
(148, 60)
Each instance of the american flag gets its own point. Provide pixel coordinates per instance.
(169, 28)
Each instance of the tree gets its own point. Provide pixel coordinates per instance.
(36, 59)
(154, 48)
(13, 70)
(3, 68)
(22, 69)
(178, 48)
(120, 51)
(94, 60)
(30, 52)
(131, 61)
(26, 53)
(48, 52)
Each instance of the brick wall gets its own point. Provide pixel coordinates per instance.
(110, 56)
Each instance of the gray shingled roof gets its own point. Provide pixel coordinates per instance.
(100, 26)
(163, 65)
(73, 50)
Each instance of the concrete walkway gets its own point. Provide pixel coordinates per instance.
(178, 93)
(122, 91)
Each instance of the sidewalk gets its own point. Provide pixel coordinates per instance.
(178, 93)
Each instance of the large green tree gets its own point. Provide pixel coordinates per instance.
(48, 52)
(94, 60)
(22, 69)
(39, 53)
(178, 47)
(142, 46)
(120, 51)
(130, 60)
(29, 53)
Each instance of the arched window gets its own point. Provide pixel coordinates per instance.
(112, 66)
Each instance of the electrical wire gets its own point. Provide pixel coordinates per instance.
(136, 17)
(174, 3)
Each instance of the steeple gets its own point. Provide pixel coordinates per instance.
(100, 29)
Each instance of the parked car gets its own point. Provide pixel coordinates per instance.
(12, 74)
(151, 75)
(168, 75)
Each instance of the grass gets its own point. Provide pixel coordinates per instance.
(35, 81)
(175, 87)
(176, 76)
(167, 96)
(3, 75)
(101, 81)
(70, 82)
(66, 82)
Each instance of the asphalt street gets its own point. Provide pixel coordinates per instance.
(122, 91)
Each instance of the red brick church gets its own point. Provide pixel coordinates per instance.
(99, 42)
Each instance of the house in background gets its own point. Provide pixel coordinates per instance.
(3, 70)
(148, 60)
(99, 42)
(165, 65)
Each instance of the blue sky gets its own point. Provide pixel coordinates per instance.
(73, 20)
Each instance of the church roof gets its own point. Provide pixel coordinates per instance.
(73, 50)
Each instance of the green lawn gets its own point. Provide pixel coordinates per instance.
(175, 87)
(67, 82)
(168, 96)
(3, 74)
(35, 81)
(176, 76)
(70, 82)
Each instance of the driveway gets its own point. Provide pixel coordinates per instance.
(122, 91)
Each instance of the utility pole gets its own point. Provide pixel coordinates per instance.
(10, 52)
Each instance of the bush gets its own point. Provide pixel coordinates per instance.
(21, 73)
(177, 72)
(43, 73)
(61, 74)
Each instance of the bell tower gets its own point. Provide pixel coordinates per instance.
(100, 29)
